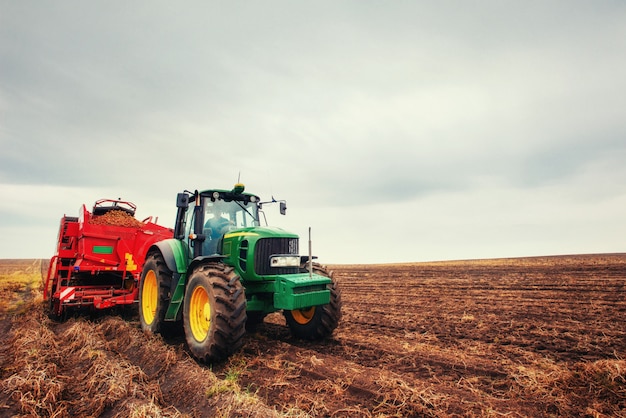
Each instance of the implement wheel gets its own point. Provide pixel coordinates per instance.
(316, 322)
(214, 313)
(154, 289)
(56, 311)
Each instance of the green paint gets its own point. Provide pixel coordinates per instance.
(179, 251)
(102, 249)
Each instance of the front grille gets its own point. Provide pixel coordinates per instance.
(267, 247)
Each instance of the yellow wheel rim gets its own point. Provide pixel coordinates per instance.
(199, 313)
(149, 297)
(303, 316)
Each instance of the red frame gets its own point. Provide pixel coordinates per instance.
(86, 248)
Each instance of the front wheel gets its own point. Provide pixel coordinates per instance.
(317, 322)
(214, 314)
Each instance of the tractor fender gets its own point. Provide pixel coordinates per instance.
(174, 254)
(203, 259)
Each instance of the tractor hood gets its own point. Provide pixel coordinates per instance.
(260, 232)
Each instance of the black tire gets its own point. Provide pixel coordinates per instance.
(214, 313)
(53, 308)
(154, 293)
(317, 322)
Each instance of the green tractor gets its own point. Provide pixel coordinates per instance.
(223, 272)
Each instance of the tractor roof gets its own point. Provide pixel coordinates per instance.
(236, 193)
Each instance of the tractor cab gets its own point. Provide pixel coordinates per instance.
(204, 217)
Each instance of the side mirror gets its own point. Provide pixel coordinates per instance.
(283, 208)
(182, 200)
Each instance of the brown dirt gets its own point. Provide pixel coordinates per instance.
(523, 337)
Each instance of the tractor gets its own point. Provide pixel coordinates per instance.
(223, 271)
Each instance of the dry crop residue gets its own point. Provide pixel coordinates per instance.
(514, 337)
(521, 337)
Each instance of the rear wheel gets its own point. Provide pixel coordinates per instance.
(317, 322)
(154, 289)
(214, 313)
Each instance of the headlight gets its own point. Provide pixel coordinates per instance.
(285, 261)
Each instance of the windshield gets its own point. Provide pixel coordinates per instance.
(234, 214)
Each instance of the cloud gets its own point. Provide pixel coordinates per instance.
(340, 108)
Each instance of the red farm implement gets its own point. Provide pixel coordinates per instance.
(99, 258)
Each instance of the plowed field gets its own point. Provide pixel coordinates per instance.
(526, 337)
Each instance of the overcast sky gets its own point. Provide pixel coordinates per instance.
(398, 131)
